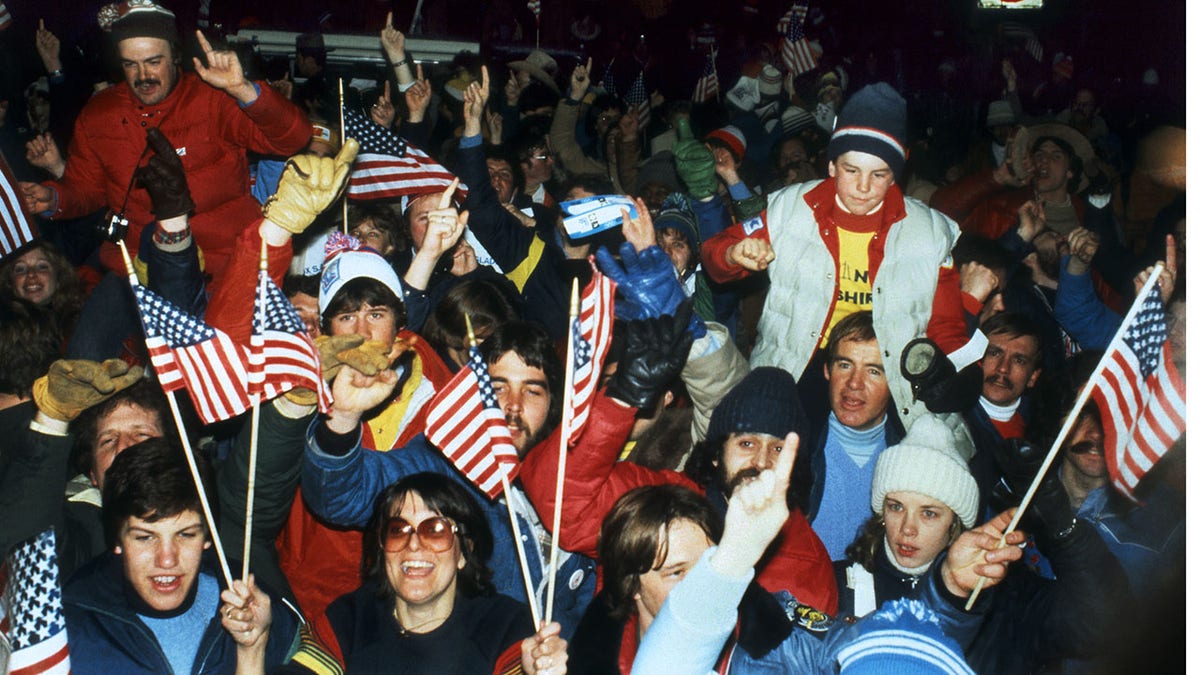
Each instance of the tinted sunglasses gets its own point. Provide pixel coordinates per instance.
(436, 533)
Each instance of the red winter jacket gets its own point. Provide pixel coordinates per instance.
(211, 133)
(595, 480)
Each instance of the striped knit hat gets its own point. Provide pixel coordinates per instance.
(873, 121)
(902, 638)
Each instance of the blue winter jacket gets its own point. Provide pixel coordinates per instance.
(105, 635)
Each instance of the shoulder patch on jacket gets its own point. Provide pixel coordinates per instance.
(808, 618)
(753, 225)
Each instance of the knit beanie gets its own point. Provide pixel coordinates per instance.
(138, 18)
(732, 137)
(770, 81)
(927, 462)
(677, 212)
(764, 402)
(346, 259)
(873, 121)
(796, 118)
(902, 638)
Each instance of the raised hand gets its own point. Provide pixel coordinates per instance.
(416, 98)
(512, 89)
(475, 98)
(224, 71)
(164, 178)
(1166, 279)
(757, 511)
(383, 112)
(393, 41)
(309, 184)
(977, 280)
(1031, 220)
(41, 151)
(581, 80)
(48, 48)
(495, 128)
(655, 351)
(1081, 245)
(72, 386)
(647, 281)
(639, 230)
(446, 225)
(978, 554)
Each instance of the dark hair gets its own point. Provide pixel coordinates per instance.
(361, 291)
(598, 106)
(151, 481)
(69, 294)
(633, 537)
(594, 183)
(384, 217)
(447, 498)
(481, 299)
(706, 466)
(504, 154)
(1074, 161)
(145, 394)
(533, 344)
(1015, 325)
(29, 343)
(536, 95)
(987, 252)
(855, 327)
(296, 283)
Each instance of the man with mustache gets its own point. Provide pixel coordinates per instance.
(212, 118)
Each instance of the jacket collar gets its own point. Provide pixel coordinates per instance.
(822, 200)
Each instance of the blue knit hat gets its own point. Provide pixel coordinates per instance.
(902, 638)
(677, 212)
(764, 402)
(873, 121)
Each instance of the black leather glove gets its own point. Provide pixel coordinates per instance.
(655, 351)
(934, 380)
(1049, 515)
(163, 177)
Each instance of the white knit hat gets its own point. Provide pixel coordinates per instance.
(345, 261)
(927, 462)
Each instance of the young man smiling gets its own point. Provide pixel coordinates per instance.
(155, 602)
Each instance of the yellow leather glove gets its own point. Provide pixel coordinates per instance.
(72, 386)
(367, 357)
(309, 184)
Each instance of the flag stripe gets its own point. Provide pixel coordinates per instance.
(388, 166)
(15, 231)
(48, 658)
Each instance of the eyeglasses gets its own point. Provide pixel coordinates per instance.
(540, 158)
(436, 533)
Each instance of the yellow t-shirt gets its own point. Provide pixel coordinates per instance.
(854, 279)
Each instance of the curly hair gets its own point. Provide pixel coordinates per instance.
(69, 294)
(447, 498)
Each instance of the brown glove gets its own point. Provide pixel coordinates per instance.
(308, 185)
(72, 386)
(336, 351)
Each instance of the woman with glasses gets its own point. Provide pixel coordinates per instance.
(427, 604)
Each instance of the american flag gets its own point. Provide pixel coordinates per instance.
(34, 615)
(638, 101)
(14, 226)
(607, 81)
(591, 335)
(187, 353)
(707, 86)
(466, 422)
(5, 17)
(388, 166)
(799, 54)
(1141, 396)
(1034, 47)
(282, 355)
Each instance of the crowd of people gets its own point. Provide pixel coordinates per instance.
(850, 325)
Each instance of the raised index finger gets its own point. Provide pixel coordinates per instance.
(389, 20)
(448, 195)
(1170, 262)
(783, 465)
(207, 48)
(485, 81)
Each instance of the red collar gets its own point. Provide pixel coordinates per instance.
(823, 200)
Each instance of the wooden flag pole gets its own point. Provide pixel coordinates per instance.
(1080, 401)
(346, 194)
(255, 411)
(564, 435)
(512, 517)
(191, 460)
